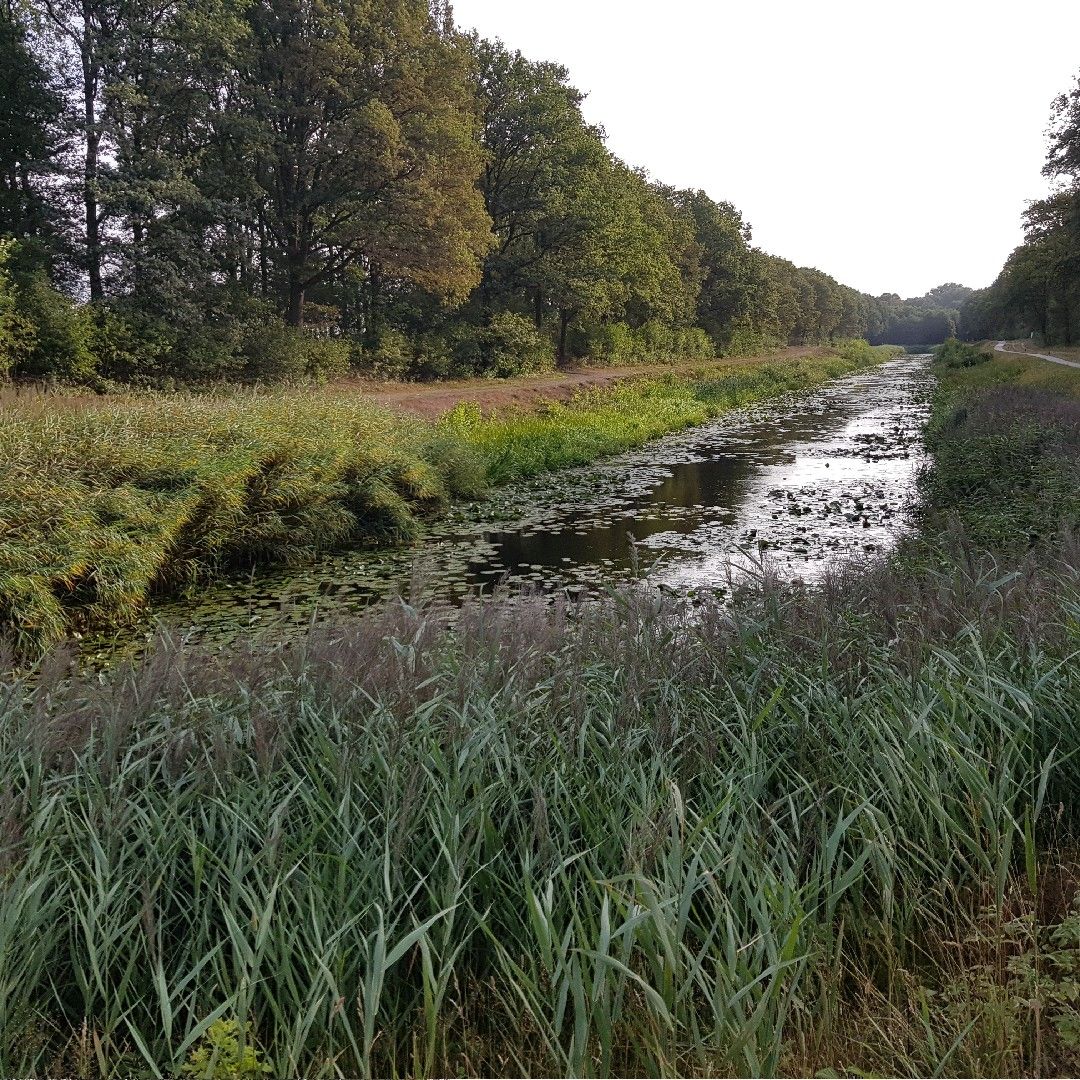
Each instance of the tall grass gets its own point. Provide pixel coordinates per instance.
(104, 503)
(602, 841)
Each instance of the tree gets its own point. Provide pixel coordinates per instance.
(30, 112)
(1063, 152)
(86, 27)
(724, 296)
(365, 148)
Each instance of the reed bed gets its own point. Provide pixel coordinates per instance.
(546, 840)
(107, 502)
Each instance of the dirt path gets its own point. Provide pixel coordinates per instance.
(1006, 347)
(431, 400)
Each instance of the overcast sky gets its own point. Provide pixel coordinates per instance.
(890, 143)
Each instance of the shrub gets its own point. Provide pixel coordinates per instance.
(745, 341)
(692, 343)
(43, 333)
(127, 345)
(604, 343)
(16, 331)
(507, 344)
(225, 1053)
(392, 358)
(325, 358)
(958, 354)
(274, 352)
(652, 342)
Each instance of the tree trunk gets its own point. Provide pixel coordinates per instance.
(374, 329)
(564, 325)
(90, 167)
(295, 314)
(538, 309)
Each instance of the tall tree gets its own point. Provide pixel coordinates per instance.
(86, 28)
(724, 239)
(365, 145)
(539, 150)
(30, 112)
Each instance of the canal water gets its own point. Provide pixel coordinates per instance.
(803, 481)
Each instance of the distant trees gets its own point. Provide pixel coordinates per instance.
(1038, 289)
(199, 189)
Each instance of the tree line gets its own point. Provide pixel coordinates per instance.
(1038, 289)
(203, 189)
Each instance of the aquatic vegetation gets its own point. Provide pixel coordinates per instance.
(104, 503)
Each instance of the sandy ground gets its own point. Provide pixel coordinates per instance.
(431, 400)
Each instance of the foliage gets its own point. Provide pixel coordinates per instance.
(1006, 452)
(366, 152)
(42, 331)
(612, 840)
(508, 344)
(225, 1052)
(16, 331)
(216, 169)
(956, 354)
(277, 353)
(1038, 289)
(30, 116)
(654, 342)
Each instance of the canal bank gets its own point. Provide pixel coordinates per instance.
(803, 481)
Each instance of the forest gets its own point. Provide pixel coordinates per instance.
(1038, 289)
(275, 190)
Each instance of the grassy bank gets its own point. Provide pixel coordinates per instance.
(1005, 436)
(105, 502)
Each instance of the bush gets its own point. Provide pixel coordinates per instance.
(326, 358)
(43, 333)
(745, 341)
(957, 354)
(652, 342)
(605, 343)
(508, 344)
(128, 346)
(392, 358)
(274, 352)
(16, 332)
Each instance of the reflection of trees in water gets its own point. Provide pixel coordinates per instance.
(718, 483)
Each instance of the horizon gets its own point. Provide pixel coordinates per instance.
(796, 142)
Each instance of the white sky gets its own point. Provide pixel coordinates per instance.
(890, 143)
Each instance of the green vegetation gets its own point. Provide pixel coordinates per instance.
(233, 209)
(810, 832)
(1013, 369)
(957, 354)
(106, 501)
(1006, 442)
(1038, 289)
